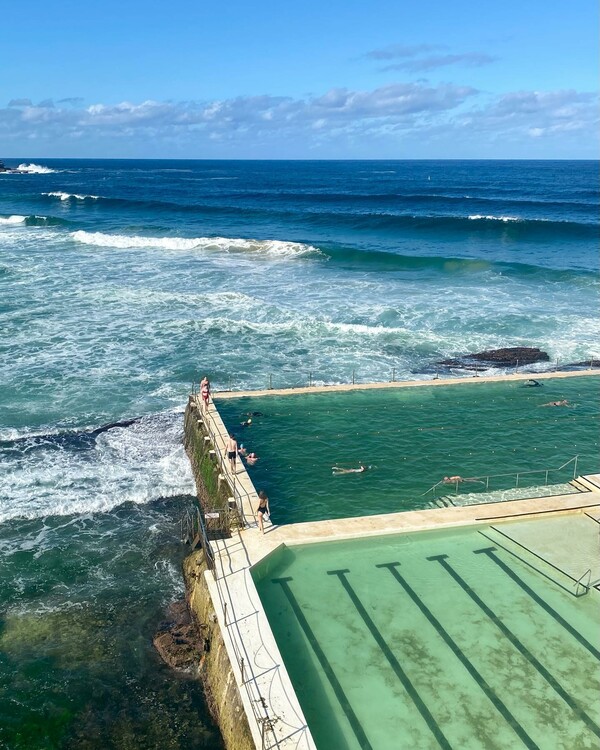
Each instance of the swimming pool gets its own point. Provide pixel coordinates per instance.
(434, 639)
(412, 438)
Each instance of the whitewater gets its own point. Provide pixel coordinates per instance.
(124, 282)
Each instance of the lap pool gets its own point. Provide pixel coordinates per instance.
(437, 639)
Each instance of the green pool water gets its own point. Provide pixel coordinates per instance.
(412, 438)
(429, 640)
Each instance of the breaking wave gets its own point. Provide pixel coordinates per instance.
(32, 221)
(64, 472)
(269, 248)
(71, 196)
(34, 169)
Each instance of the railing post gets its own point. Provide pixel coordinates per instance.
(556, 365)
(575, 467)
(437, 373)
(225, 613)
(546, 476)
(517, 367)
(270, 382)
(393, 374)
(517, 484)
(309, 379)
(242, 669)
(352, 377)
(476, 371)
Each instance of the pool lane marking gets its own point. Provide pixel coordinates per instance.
(393, 661)
(521, 648)
(489, 552)
(471, 669)
(326, 666)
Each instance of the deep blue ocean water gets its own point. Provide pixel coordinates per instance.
(121, 282)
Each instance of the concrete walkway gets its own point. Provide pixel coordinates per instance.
(408, 384)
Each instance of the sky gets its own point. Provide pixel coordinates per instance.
(320, 79)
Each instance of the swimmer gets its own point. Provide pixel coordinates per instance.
(457, 478)
(242, 451)
(246, 423)
(251, 459)
(340, 470)
(564, 402)
(531, 383)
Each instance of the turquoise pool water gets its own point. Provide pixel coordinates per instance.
(412, 438)
(429, 640)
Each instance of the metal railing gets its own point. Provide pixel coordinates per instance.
(579, 583)
(457, 483)
(286, 378)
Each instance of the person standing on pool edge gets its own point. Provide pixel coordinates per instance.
(262, 510)
(232, 450)
(205, 392)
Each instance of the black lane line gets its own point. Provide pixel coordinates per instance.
(518, 645)
(323, 661)
(471, 669)
(394, 663)
(489, 551)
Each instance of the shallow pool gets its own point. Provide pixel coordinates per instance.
(411, 438)
(437, 639)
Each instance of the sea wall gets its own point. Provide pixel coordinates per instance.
(220, 685)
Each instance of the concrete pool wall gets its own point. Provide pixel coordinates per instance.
(264, 689)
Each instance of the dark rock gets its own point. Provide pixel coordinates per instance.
(179, 641)
(506, 357)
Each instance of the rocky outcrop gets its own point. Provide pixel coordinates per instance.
(506, 357)
(179, 641)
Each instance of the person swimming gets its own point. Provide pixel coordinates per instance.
(341, 470)
(532, 383)
(564, 402)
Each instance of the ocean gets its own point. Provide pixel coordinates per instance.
(123, 282)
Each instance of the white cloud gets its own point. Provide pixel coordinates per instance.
(400, 118)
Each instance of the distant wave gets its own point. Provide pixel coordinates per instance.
(478, 217)
(34, 169)
(32, 221)
(380, 220)
(69, 196)
(271, 248)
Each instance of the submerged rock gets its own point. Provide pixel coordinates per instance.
(505, 357)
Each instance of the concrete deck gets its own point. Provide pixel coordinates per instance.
(243, 621)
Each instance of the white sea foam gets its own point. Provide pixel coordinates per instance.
(136, 463)
(69, 196)
(270, 248)
(476, 217)
(15, 219)
(34, 169)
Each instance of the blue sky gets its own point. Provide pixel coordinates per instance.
(377, 79)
